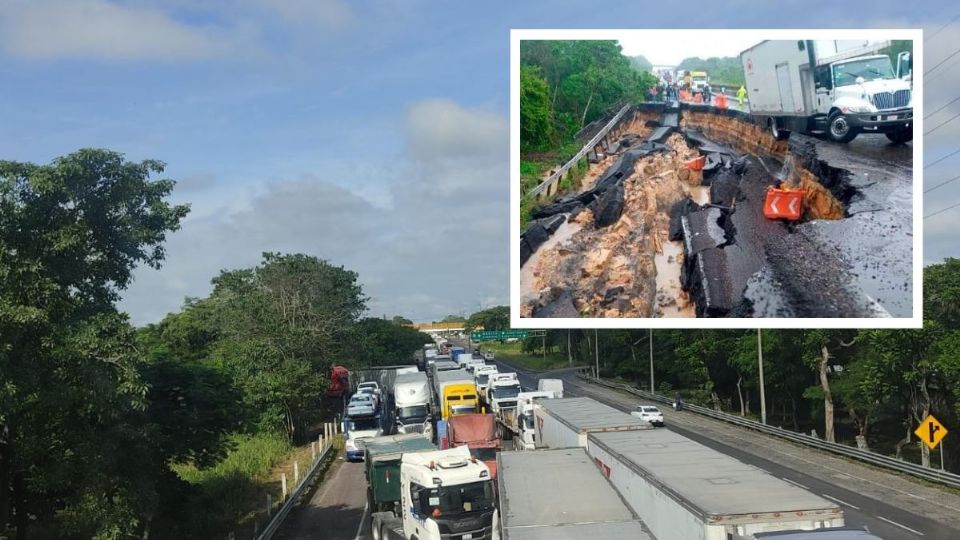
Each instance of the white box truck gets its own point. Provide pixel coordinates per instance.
(565, 423)
(411, 402)
(683, 490)
(835, 88)
(560, 494)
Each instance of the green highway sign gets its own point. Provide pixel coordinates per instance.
(493, 335)
(498, 335)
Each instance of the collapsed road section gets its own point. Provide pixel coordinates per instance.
(700, 212)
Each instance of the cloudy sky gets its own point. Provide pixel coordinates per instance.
(371, 134)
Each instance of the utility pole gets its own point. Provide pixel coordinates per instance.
(652, 391)
(763, 400)
(569, 352)
(596, 349)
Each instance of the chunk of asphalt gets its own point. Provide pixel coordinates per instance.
(670, 119)
(609, 207)
(555, 208)
(660, 134)
(706, 145)
(535, 235)
(680, 209)
(525, 251)
(724, 187)
(611, 295)
(562, 306)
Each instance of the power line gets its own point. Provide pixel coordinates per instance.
(942, 108)
(940, 125)
(927, 166)
(954, 53)
(940, 185)
(951, 207)
(941, 28)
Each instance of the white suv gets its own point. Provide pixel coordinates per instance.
(649, 413)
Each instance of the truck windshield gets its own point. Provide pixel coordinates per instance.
(454, 500)
(870, 69)
(528, 421)
(463, 409)
(508, 391)
(483, 378)
(362, 424)
(415, 412)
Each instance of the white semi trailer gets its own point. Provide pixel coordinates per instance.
(683, 490)
(411, 399)
(560, 494)
(837, 88)
(565, 423)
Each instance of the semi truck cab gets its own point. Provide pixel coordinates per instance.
(444, 494)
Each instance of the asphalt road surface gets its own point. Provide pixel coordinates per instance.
(882, 519)
(335, 510)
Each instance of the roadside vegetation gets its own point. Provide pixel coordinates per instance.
(861, 387)
(564, 86)
(109, 431)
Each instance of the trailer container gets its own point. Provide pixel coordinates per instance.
(560, 494)
(683, 490)
(565, 423)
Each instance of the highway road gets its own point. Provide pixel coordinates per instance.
(883, 516)
(335, 510)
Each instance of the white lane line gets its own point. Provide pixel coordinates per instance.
(363, 519)
(838, 501)
(798, 484)
(904, 527)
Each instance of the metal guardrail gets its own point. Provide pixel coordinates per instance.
(294, 497)
(579, 155)
(866, 456)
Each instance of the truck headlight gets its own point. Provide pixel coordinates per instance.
(859, 109)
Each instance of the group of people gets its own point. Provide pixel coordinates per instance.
(671, 92)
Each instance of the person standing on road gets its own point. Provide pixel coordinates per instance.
(706, 94)
(741, 93)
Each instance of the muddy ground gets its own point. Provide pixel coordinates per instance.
(646, 236)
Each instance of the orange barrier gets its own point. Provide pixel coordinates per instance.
(696, 163)
(783, 204)
(698, 98)
(720, 101)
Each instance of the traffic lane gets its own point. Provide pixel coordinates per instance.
(337, 511)
(859, 511)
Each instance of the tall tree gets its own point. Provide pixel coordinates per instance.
(71, 233)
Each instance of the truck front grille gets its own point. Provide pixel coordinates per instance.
(413, 428)
(891, 100)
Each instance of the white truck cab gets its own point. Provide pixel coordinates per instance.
(836, 88)
(525, 404)
(444, 494)
(503, 390)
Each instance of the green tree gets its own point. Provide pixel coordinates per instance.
(495, 318)
(536, 111)
(71, 233)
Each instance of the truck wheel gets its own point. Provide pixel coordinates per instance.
(900, 136)
(839, 128)
(778, 132)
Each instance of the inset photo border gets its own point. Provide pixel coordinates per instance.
(716, 178)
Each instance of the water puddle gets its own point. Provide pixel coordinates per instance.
(672, 301)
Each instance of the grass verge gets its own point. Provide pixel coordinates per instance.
(513, 354)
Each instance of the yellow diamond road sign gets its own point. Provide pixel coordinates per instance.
(931, 431)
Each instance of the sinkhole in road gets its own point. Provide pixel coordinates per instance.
(651, 235)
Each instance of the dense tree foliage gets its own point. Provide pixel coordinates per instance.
(722, 71)
(383, 343)
(565, 85)
(81, 442)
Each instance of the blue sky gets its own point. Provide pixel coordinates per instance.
(372, 134)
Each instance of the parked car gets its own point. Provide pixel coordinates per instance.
(650, 413)
(372, 385)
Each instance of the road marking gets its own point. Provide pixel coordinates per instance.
(904, 527)
(363, 518)
(798, 484)
(838, 501)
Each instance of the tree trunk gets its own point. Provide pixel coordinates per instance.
(716, 401)
(827, 396)
(904, 441)
(585, 109)
(743, 410)
(793, 413)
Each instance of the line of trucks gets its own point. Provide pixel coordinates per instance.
(589, 471)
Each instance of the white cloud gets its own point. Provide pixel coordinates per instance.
(99, 28)
(439, 247)
(323, 13)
